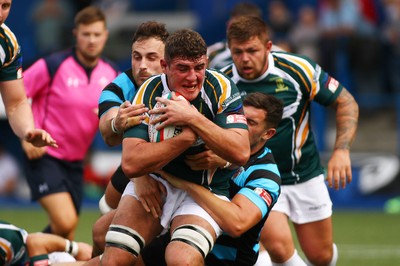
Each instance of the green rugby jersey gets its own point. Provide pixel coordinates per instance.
(10, 55)
(219, 100)
(12, 244)
(297, 81)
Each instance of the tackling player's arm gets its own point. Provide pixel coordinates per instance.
(231, 144)
(234, 217)
(115, 121)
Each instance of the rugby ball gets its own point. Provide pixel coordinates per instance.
(167, 132)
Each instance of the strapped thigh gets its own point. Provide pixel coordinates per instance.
(195, 236)
(125, 238)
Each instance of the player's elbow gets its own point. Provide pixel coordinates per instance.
(235, 229)
(131, 170)
(242, 157)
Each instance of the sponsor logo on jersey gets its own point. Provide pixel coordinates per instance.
(333, 84)
(264, 195)
(231, 99)
(236, 118)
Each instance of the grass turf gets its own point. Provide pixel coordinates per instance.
(363, 238)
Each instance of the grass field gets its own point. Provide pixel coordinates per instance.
(363, 238)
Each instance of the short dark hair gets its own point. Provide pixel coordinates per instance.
(245, 27)
(89, 15)
(269, 103)
(185, 44)
(246, 9)
(150, 29)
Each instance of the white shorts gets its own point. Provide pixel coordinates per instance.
(177, 202)
(305, 202)
(59, 257)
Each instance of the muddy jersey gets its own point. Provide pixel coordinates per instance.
(297, 81)
(219, 100)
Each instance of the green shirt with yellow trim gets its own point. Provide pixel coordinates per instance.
(297, 81)
(10, 55)
(219, 100)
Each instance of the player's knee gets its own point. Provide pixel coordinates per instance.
(279, 252)
(195, 236)
(65, 227)
(327, 256)
(125, 238)
(103, 205)
(98, 235)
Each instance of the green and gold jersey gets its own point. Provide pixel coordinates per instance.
(297, 81)
(219, 100)
(12, 245)
(10, 55)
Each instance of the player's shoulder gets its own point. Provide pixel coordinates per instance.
(294, 64)
(7, 35)
(150, 89)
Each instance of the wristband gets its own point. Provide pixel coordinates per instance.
(71, 247)
(113, 128)
(228, 164)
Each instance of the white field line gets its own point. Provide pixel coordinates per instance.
(369, 251)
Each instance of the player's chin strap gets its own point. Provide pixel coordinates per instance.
(194, 235)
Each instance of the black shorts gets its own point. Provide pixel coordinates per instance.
(119, 180)
(49, 175)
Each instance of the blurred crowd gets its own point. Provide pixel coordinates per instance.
(357, 41)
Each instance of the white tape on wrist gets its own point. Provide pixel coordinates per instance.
(113, 128)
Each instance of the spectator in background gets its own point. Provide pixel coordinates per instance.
(9, 173)
(391, 35)
(304, 36)
(65, 88)
(51, 18)
(338, 21)
(279, 20)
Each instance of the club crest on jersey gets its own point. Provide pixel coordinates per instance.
(280, 85)
(236, 118)
(264, 195)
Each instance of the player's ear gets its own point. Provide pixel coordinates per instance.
(269, 133)
(163, 64)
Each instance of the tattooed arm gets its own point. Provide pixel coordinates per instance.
(339, 165)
